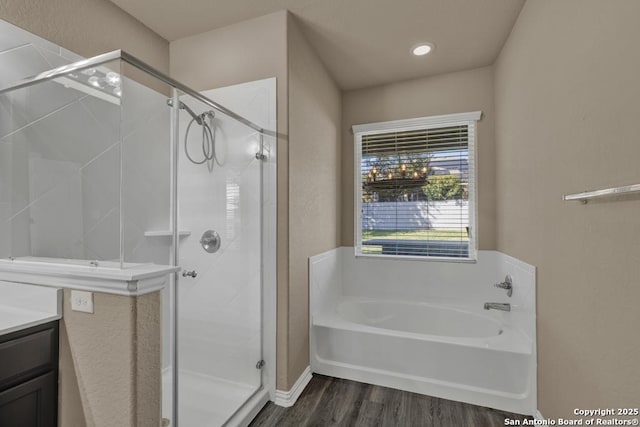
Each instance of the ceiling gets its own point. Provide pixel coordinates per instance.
(361, 42)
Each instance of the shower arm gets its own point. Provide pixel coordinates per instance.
(185, 107)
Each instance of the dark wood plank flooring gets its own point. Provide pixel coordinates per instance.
(331, 401)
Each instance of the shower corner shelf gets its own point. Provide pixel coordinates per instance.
(166, 233)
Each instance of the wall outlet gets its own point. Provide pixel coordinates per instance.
(82, 301)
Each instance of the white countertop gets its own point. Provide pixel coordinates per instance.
(12, 319)
(23, 306)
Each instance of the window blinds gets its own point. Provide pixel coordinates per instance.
(415, 192)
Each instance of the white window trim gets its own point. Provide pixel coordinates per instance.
(470, 119)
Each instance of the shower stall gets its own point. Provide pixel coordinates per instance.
(107, 161)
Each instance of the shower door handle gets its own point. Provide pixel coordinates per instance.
(191, 273)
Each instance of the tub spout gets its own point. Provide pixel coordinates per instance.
(497, 306)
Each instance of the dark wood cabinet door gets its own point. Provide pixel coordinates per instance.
(30, 404)
(28, 354)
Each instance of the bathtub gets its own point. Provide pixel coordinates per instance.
(454, 352)
(422, 327)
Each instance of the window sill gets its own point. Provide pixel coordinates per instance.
(418, 258)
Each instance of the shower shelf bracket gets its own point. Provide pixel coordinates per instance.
(166, 233)
(615, 191)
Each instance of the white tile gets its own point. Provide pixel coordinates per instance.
(102, 241)
(101, 187)
(56, 216)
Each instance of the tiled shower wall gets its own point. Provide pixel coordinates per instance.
(61, 161)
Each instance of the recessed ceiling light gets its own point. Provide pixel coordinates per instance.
(422, 49)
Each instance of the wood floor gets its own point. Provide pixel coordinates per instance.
(334, 402)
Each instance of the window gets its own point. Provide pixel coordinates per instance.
(415, 187)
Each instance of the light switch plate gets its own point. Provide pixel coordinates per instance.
(82, 301)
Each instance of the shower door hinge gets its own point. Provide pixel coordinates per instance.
(260, 364)
(261, 156)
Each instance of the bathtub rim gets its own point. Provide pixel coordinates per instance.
(523, 344)
(459, 308)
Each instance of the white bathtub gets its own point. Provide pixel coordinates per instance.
(441, 346)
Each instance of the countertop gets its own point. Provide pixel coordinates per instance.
(23, 306)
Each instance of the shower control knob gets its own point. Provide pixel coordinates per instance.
(191, 273)
(210, 241)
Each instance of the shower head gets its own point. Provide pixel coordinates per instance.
(185, 107)
(208, 135)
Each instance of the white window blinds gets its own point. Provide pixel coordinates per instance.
(416, 190)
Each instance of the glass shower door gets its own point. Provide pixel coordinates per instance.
(219, 249)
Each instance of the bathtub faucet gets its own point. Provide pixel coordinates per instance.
(497, 306)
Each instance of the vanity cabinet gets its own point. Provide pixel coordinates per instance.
(29, 377)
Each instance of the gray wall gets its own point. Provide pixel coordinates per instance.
(88, 28)
(314, 183)
(567, 106)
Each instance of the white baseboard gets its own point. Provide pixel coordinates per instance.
(289, 398)
(538, 416)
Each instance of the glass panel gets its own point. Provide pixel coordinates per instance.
(146, 192)
(60, 164)
(146, 169)
(220, 308)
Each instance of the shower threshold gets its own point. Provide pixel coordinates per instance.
(205, 400)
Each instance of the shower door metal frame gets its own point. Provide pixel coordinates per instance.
(143, 66)
(175, 257)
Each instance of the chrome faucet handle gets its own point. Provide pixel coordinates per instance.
(507, 285)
